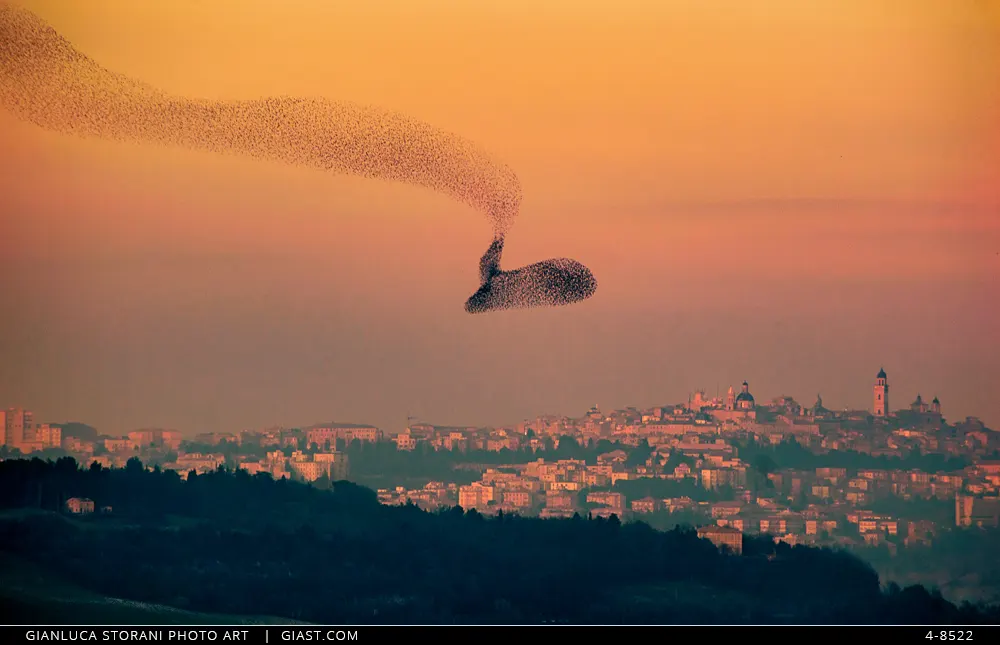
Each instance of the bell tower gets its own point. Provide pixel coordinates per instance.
(881, 394)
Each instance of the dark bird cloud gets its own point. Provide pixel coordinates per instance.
(549, 283)
(46, 81)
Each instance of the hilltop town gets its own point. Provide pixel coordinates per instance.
(729, 465)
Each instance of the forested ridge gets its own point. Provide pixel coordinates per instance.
(229, 542)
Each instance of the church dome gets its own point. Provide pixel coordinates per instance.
(881, 374)
(744, 400)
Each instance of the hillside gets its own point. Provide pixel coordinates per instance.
(232, 543)
(31, 594)
(79, 430)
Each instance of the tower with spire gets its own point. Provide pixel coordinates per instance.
(881, 394)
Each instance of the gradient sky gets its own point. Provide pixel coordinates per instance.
(793, 193)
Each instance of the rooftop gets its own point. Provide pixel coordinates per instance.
(719, 530)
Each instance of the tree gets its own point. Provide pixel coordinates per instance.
(764, 464)
(639, 455)
(675, 459)
(134, 466)
(603, 446)
(568, 448)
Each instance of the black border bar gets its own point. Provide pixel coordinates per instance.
(441, 634)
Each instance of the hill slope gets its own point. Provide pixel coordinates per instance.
(30, 594)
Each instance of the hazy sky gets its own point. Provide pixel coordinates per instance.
(793, 193)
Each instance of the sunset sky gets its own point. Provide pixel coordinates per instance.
(788, 192)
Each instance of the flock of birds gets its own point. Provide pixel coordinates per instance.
(46, 81)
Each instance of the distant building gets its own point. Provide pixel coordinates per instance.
(646, 505)
(310, 471)
(614, 501)
(14, 422)
(215, 438)
(197, 462)
(920, 413)
(881, 394)
(40, 437)
(518, 499)
(920, 406)
(560, 500)
(80, 505)
(170, 439)
(328, 434)
(613, 457)
(76, 444)
(18, 430)
(405, 440)
(738, 407)
(338, 464)
(714, 478)
(332, 465)
(977, 511)
(723, 537)
(475, 495)
(745, 400)
(698, 401)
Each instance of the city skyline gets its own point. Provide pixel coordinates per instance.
(881, 384)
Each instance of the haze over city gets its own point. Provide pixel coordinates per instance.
(789, 202)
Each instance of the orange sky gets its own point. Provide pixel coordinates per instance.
(790, 192)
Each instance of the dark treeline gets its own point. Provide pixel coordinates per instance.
(382, 465)
(233, 543)
(790, 454)
(383, 460)
(384, 453)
